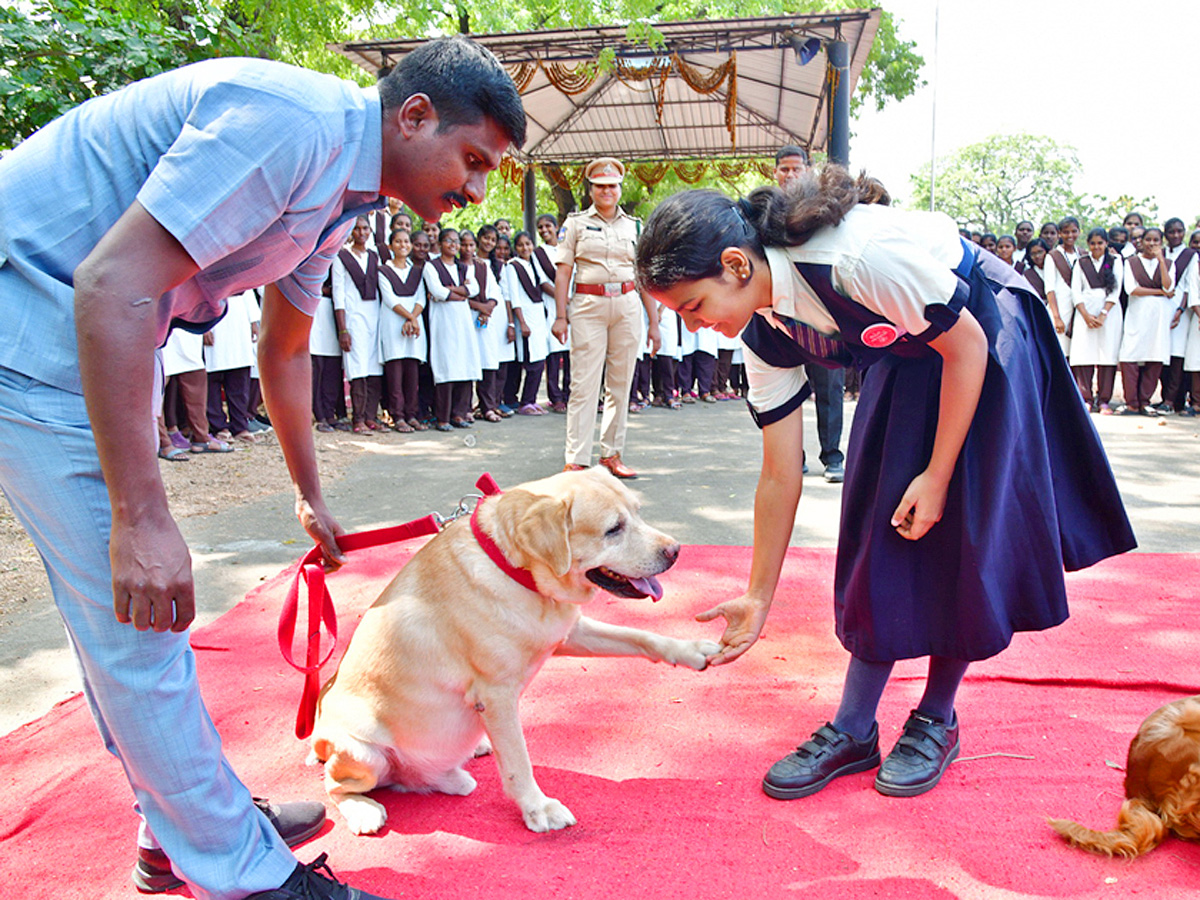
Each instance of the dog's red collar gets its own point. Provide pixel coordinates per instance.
(522, 577)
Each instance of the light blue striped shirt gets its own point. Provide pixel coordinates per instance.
(257, 168)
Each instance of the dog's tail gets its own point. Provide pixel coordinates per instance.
(1139, 830)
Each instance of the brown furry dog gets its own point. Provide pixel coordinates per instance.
(1162, 786)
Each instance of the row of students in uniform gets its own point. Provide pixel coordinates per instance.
(211, 394)
(702, 366)
(1123, 304)
(439, 332)
(423, 328)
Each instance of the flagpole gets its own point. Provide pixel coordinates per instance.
(933, 118)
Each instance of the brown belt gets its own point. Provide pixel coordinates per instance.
(614, 289)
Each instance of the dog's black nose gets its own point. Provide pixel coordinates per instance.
(670, 553)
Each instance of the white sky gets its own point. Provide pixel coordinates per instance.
(1109, 77)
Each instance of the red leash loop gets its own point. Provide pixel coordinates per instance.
(320, 609)
(320, 604)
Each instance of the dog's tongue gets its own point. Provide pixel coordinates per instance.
(649, 586)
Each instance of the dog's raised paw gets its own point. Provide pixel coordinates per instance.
(362, 814)
(549, 815)
(694, 654)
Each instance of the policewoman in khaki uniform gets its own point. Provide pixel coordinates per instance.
(605, 316)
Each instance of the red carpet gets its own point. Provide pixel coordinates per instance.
(662, 766)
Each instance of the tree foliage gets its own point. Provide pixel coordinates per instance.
(994, 184)
(56, 53)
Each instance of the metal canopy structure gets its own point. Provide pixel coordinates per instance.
(730, 88)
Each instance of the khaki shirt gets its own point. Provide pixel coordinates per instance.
(601, 251)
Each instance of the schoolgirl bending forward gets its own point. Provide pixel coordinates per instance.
(973, 473)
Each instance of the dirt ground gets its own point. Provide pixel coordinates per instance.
(204, 485)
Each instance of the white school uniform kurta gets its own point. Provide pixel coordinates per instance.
(1191, 286)
(323, 336)
(1097, 346)
(687, 341)
(671, 329)
(183, 352)
(553, 346)
(708, 341)
(1147, 335)
(256, 309)
(534, 312)
(453, 347)
(731, 343)
(233, 340)
(494, 345)
(1062, 294)
(393, 342)
(1179, 334)
(362, 320)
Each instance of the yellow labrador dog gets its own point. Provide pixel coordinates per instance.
(439, 661)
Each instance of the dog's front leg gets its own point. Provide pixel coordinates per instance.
(592, 638)
(499, 709)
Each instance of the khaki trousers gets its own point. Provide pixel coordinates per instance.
(605, 334)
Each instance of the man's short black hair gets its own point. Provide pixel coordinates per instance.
(464, 81)
(791, 150)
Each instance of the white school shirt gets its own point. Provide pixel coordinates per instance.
(1191, 319)
(687, 341)
(670, 327)
(534, 312)
(1062, 292)
(393, 342)
(1179, 332)
(183, 352)
(323, 336)
(453, 347)
(1147, 335)
(362, 319)
(494, 345)
(708, 341)
(233, 341)
(893, 262)
(1097, 346)
(553, 346)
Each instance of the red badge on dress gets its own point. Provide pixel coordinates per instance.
(881, 334)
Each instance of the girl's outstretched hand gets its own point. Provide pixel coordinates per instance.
(921, 507)
(744, 619)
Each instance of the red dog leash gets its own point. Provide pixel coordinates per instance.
(320, 603)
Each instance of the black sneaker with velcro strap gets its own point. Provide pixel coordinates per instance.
(306, 883)
(296, 822)
(920, 758)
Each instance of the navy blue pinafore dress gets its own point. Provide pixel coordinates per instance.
(1031, 494)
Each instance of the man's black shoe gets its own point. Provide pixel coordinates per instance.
(919, 759)
(306, 883)
(827, 755)
(296, 822)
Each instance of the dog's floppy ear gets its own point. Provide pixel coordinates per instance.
(538, 526)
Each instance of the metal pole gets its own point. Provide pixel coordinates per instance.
(529, 195)
(839, 106)
(933, 119)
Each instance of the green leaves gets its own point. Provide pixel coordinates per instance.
(999, 181)
(59, 54)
